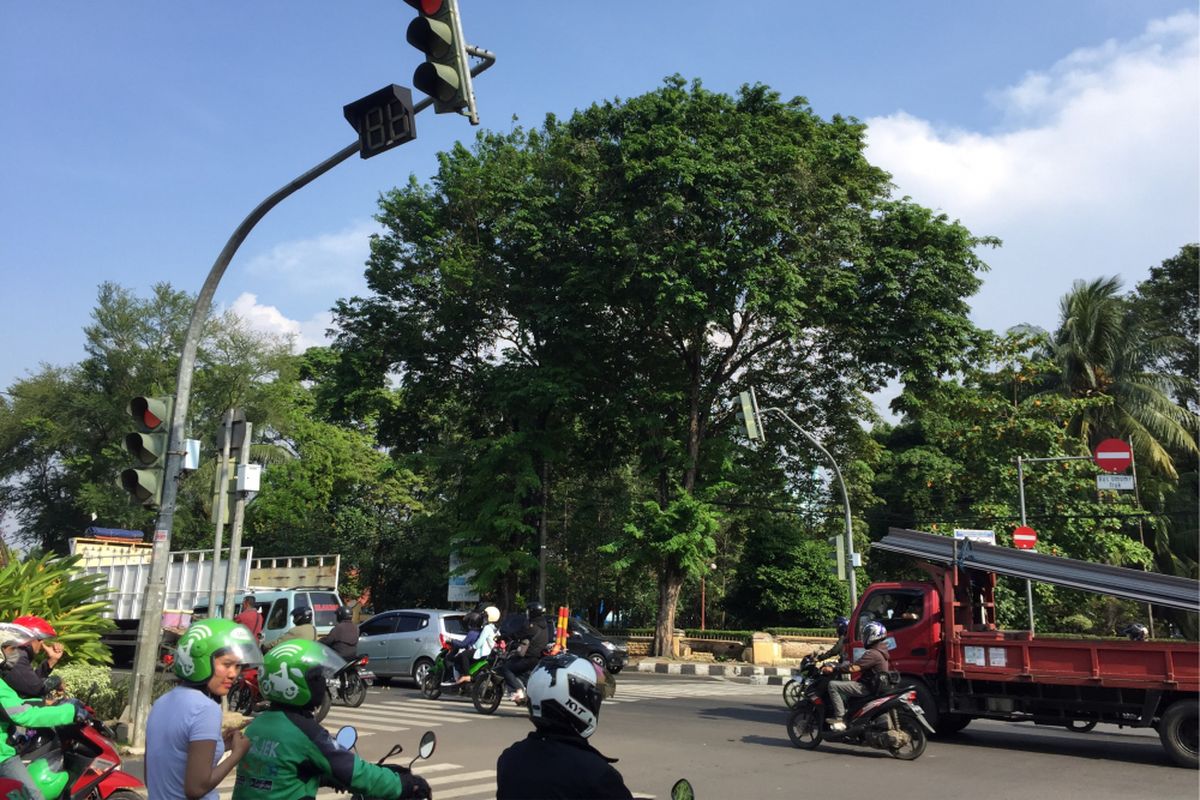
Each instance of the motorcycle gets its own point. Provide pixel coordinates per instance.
(487, 682)
(246, 697)
(347, 738)
(77, 762)
(349, 684)
(889, 719)
(440, 677)
(808, 671)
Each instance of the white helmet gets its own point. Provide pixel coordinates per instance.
(874, 632)
(12, 634)
(493, 614)
(565, 694)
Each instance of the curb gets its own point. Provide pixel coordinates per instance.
(767, 675)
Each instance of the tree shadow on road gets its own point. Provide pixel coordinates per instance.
(763, 714)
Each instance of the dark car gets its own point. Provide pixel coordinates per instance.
(584, 640)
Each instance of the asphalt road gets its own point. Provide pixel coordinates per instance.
(728, 738)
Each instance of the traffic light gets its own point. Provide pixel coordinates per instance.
(446, 74)
(148, 446)
(838, 543)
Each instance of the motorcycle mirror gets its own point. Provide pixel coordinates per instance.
(428, 744)
(682, 790)
(346, 737)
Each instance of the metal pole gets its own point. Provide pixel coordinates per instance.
(1141, 535)
(219, 504)
(1028, 583)
(233, 571)
(845, 502)
(150, 627)
(701, 601)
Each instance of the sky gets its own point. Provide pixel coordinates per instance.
(135, 136)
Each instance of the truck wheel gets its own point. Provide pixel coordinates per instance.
(950, 724)
(1178, 732)
(1081, 725)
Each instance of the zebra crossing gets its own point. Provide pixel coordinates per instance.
(388, 712)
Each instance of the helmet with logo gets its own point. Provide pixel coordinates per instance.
(493, 614)
(294, 672)
(565, 693)
(208, 639)
(344, 613)
(301, 615)
(40, 627)
(873, 633)
(842, 624)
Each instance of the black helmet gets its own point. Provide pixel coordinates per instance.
(1136, 631)
(301, 615)
(535, 610)
(344, 613)
(842, 624)
(565, 693)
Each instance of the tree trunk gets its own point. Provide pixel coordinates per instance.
(669, 584)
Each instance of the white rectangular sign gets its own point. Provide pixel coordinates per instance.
(459, 588)
(1118, 482)
(985, 536)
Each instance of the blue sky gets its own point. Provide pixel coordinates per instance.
(135, 136)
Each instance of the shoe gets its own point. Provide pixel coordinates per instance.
(519, 696)
(837, 725)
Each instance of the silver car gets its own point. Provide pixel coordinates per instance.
(405, 642)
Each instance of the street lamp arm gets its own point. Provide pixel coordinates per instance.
(845, 500)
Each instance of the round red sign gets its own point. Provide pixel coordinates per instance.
(1024, 538)
(1113, 455)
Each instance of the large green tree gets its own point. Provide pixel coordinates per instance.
(632, 267)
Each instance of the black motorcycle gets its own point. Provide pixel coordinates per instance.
(889, 719)
(351, 680)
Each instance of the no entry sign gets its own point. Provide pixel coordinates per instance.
(1113, 455)
(1024, 538)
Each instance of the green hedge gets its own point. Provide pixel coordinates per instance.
(826, 632)
(99, 688)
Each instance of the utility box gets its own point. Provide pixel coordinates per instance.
(249, 477)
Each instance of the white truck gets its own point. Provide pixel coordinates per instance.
(126, 567)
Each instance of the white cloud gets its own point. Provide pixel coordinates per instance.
(1095, 172)
(331, 264)
(271, 321)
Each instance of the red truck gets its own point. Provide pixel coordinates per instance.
(943, 637)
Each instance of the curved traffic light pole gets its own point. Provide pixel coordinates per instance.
(150, 625)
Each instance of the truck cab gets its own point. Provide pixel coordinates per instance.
(912, 613)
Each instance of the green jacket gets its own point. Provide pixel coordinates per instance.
(29, 714)
(291, 755)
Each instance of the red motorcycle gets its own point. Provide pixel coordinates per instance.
(78, 762)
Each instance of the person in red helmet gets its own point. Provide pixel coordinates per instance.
(22, 676)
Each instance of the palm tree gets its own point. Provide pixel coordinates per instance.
(1103, 352)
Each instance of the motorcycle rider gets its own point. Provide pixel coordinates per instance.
(15, 711)
(461, 652)
(530, 644)
(302, 627)
(872, 663)
(556, 760)
(842, 624)
(184, 735)
(1136, 631)
(291, 754)
(26, 679)
(343, 638)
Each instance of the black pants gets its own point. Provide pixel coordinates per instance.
(517, 666)
(463, 659)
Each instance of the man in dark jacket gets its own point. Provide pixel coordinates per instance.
(343, 638)
(24, 678)
(530, 644)
(872, 663)
(556, 761)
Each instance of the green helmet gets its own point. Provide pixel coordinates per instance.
(294, 672)
(208, 639)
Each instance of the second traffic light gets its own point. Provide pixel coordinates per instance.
(148, 446)
(446, 74)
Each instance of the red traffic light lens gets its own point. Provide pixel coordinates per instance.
(430, 7)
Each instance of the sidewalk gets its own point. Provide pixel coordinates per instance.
(774, 676)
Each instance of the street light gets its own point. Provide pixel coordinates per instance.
(751, 415)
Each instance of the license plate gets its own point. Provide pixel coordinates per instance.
(367, 676)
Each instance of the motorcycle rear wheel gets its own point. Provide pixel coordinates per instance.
(320, 711)
(916, 734)
(355, 690)
(487, 694)
(805, 725)
(791, 693)
(431, 684)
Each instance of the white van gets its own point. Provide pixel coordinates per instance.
(277, 606)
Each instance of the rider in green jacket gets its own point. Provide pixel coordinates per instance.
(14, 710)
(291, 755)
